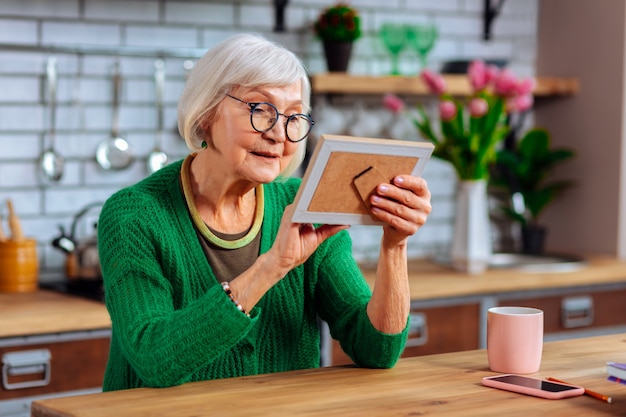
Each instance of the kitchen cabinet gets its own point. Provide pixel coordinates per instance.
(440, 329)
(450, 308)
(571, 311)
(51, 344)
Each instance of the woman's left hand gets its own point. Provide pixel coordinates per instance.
(403, 206)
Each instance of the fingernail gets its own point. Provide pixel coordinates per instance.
(398, 180)
(383, 188)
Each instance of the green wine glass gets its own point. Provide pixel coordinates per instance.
(422, 39)
(393, 37)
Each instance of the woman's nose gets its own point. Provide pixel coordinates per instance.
(278, 132)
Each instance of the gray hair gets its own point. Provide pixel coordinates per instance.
(243, 60)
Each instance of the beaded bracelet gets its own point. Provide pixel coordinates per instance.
(228, 292)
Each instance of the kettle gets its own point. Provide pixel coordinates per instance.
(82, 261)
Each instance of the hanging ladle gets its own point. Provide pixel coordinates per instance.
(114, 153)
(157, 158)
(52, 162)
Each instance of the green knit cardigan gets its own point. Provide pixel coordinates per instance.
(173, 323)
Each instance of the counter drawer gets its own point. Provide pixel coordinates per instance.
(434, 330)
(575, 311)
(48, 367)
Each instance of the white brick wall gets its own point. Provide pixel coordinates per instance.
(84, 114)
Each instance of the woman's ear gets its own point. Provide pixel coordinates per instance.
(204, 125)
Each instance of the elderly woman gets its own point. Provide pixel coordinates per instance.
(205, 275)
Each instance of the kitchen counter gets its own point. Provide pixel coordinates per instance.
(48, 312)
(442, 385)
(429, 280)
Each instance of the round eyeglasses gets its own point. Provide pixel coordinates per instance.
(263, 117)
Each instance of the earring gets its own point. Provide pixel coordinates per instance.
(203, 144)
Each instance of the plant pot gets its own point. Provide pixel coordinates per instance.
(533, 239)
(471, 244)
(337, 55)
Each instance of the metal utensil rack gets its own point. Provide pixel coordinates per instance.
(133, 51)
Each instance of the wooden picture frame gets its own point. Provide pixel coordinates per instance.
(344, 170)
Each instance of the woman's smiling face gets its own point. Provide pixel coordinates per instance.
(248, 154)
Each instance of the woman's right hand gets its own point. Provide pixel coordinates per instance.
(293, 245)
(295, 242)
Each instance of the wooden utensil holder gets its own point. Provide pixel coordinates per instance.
(19, 266)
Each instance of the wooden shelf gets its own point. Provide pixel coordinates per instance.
(457, 85)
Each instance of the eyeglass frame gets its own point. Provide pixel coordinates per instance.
(254, 105)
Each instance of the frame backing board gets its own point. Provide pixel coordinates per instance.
(328, 194)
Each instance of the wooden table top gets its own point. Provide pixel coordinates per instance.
(444, 385)
(45, 312)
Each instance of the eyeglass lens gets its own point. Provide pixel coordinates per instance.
(264, 116)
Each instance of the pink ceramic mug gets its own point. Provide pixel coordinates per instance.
(514, 339)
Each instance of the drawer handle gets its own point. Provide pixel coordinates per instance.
(577, 312)
(418, 326)
(26, 362)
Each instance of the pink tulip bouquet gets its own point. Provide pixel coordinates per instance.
(471, 128)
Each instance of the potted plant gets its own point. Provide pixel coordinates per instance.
(524, 175)
(467, 135)
(338, 27)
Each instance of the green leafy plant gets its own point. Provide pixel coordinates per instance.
(338, 23)
(527, 170)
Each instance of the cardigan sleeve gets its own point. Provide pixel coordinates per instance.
(342, 295)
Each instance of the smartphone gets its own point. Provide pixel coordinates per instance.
(533, 386)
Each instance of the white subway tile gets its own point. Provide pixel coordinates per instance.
(508, 27)
(202, 14)
(459, 25)
(25, 202)
(211, 37)
(18, 174)
(77, 145)
(18, 31)
(527, 9)
(485, 50)
(100, 179)
(40, 8)
(140, 91)
(475, 6)
(58, 200)
(80, 33)
(18, 145)
(100, 65)
(21, 63)
(21, 118)
(255, 18)
(136, 117)
(161, 37)
(19, 89)
(429, 6)
(135, 11)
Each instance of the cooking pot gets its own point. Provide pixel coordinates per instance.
(82, 261)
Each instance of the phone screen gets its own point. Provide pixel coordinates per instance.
(533, 383)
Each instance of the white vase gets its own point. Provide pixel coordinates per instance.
(471, 244)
